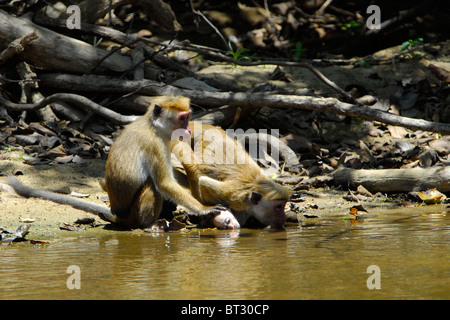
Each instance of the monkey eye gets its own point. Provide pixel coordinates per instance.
(280, 206)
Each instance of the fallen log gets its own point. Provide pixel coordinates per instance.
(252, 101)
(54, 51)
(395, 180)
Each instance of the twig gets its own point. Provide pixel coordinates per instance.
(200, 14)
(219, 56)
(369, 59)
(131, 41)
(75, 99)
(324, 6)
(110, 53)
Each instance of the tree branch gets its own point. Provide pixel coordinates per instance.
(217, 55)
(74, 99)
(249, 100)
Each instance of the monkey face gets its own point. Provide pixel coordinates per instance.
(268, 212)
(172, 123)
(179, 124)
(225, 220)
(278, 214)
(183, 126)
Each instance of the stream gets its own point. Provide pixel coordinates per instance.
(330, 258)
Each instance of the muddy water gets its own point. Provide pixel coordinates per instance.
(323, 259)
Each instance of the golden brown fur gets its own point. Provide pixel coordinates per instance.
(214, 175)
(176, 103)
(138, 172)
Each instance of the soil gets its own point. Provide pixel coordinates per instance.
(44, 216)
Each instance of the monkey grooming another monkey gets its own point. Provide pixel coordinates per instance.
(138, 172)
(220, 170)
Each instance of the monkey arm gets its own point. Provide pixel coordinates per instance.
(185, 155)
(212, 190)
(175, 192)
(171, 189)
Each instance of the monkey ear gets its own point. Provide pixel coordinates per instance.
(255, 197)
(157, 111)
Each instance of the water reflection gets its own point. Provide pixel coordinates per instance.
(327, 259)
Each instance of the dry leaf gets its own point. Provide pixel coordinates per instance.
(22, 231)
(39, 242)
(36, 126)
(366, 154)
(64, 159)
(431, 196)
(69, 227)
(58, 151)
(356, 209)
(160, 225)
(397, 132)
(176, 225)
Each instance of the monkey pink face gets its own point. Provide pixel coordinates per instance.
(268, 212)
(180, 129)
(279, 216)
(226, 220)
(183, 123)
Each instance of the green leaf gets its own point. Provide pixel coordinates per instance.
(405, 45)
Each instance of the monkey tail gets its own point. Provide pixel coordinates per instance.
(103, 212)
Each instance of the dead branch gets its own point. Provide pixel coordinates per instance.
(132, 42)
(29, 94)
(17, 46)
(215, 54)
(252, 101)
(161, 13)
(277, 147)
(201, 15)
(74, 99)
(323, 7)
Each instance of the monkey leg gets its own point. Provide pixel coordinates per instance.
(145, 209)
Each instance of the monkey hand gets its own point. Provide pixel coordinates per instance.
(223, 218)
